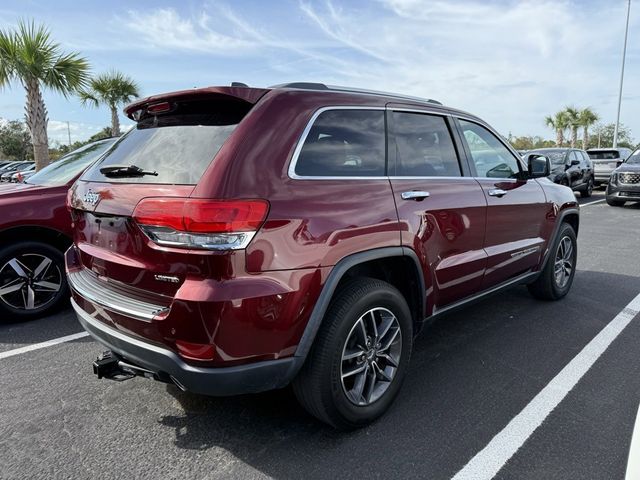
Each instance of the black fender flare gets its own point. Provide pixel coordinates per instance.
(329, 288)
(554, 235)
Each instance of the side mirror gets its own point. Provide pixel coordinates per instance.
(573, 163)
(539, 166)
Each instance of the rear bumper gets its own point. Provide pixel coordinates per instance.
(249, 378)
(602, 176)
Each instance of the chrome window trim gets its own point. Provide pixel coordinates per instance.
(296, 153)
(524, 168)
(291, 171)
(431, 177)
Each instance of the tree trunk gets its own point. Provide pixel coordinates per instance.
(574, 136)
(115, 122)
(585, 137)
(36, 117)
(559, 137)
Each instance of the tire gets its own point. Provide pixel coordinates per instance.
(31, 267)
(321, 387)
(588, 191)
(615, 203)
(548, 285)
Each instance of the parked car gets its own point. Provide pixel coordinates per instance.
(570, 167)
(10, 169)
(18, 176)
(7, 164)
(22, 177)
(605, 161)
(35, 229)
(624, 185)
(240, 239)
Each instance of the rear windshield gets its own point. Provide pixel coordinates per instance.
(556, 158)
(178, 145)
(604, 155)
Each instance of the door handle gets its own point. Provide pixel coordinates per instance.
(497, 192)
(414, 195)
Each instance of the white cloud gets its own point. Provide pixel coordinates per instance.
(511, 62)
(59, 133)
(165, 28)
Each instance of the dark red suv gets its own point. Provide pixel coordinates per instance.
(35, 231)
(241, 239)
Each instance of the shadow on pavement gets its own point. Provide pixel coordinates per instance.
(471, 372)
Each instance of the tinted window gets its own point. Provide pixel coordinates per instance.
(64, 169)
(178, 145)
(604, 155)
(574, 156)
(586, 158)
(423, 146)
(634, 159)
(344, 143)
(491, 158)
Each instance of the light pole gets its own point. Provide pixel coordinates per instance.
(624, 53)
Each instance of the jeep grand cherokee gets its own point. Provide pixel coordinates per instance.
(240, 239)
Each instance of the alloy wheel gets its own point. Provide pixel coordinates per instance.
(563, 262)
(29, 281)
(371, 356)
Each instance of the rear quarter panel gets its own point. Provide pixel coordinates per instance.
(311, 223)
(23, 205)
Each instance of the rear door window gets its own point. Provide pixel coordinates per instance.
(423, 145)
(179, 145)
(574, 156)
(344, 143)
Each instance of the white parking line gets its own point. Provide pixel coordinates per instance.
(633, 463)
(37, 346)
(595, 201)
(488, 462)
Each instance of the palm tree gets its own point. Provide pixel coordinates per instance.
(587, 118)
(573, 122)
(110, 89)
(559, 123)
(29, 56)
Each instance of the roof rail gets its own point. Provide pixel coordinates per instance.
(337, 88)
(302, 86)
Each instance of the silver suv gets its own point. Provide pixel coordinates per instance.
(605, 161)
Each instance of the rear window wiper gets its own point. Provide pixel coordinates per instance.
(125, 171)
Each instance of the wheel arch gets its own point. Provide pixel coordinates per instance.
(398, 266)
(35, 233)
(570, 216)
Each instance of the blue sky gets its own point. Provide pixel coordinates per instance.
(510, 62)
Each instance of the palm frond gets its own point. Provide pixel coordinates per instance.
(87, 98)
(8, 55)
(113, 88)
(67, 74)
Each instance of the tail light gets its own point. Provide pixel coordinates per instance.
(202, 224)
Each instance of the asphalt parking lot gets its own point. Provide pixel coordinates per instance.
(471, 374)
